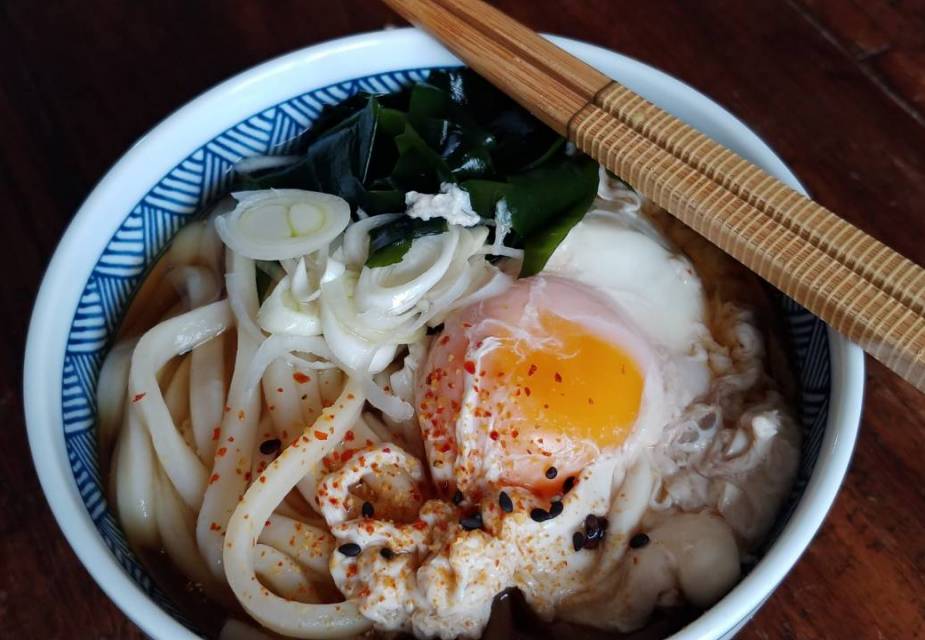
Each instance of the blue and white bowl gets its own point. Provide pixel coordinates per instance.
(153, 190)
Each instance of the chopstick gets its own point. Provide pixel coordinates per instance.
(861, 287)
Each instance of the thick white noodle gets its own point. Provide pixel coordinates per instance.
(176, 397)
(310, 546)
(160, 344)
(294, 619)
(283, 575)
(331, 383)
(134, 468)
(232, 462)
(238, 286)
(211, 247)
(310, 396)
(283, 399)
(177, 527)
(110, 395)
(196, 285)
(207, 395)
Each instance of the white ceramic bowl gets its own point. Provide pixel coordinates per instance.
(154, 187)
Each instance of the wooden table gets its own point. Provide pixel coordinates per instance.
(837, 87)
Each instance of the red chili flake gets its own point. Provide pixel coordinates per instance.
(279, 389)
(346, 455)
(493, 435)
(531, 370)
(350, 396)
(300, 377)
(221, 451)
(558, 377)
(321, 435)
(214, 478)
(227, 408)
(420, 525)
(272, 407)
(216, 433)
(247, 477)
(263, 479)
(527, 391)
(214, 527)
(349, 436)
(469, 366)
(230, 438)
(386, 450)
(139, 397)
(351, 570)
(515, 433)
(444, 339)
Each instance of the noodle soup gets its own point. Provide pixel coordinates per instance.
(434, 356)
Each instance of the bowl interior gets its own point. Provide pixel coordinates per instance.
(143, 230)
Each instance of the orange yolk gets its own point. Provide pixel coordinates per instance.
(580, 386)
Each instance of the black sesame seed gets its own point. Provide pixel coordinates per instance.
(386, 553)
(470, 523)
(350, 549)
(551, 473)
(578, 540)
(507, 505)
(555, 508)
(539, 515)
(568, 484)
(639, 540)
(592, 523)
(368, 510)
(457, 497)
(268, 447)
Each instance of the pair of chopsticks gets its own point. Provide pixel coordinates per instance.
(858, 285)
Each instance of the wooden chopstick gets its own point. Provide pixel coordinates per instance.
(860, 286)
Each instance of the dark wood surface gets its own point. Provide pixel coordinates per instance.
(837, 87)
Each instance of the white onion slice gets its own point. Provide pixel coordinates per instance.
(356, 238)
(278, 346)
(278, 224)
(282, 314)
(398, 287)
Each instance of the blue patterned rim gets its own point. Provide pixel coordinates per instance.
(196, 180)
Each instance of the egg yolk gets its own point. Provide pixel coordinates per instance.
(577, 385)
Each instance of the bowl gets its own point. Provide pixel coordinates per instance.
(156, 186)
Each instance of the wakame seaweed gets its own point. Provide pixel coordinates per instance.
(454, 127)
